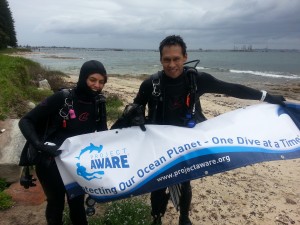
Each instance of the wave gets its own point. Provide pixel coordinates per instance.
(202, 68)
(266, 74)
(257, 73)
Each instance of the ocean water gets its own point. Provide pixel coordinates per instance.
(231, 66)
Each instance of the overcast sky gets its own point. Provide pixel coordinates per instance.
(206, 24)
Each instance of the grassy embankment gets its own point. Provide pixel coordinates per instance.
(18, 86)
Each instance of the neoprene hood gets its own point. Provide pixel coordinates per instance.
(88, 68)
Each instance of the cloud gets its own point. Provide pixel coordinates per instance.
(214, 23)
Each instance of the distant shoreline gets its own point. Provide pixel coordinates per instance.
(189, 50)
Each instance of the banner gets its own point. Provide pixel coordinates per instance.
(126, 162)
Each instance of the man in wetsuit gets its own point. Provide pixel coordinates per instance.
(172, 96)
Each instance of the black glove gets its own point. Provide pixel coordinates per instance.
(29, 132)
(51, 150)
(133, 115)
(275, 99)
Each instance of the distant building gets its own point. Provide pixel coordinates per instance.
(243, 47)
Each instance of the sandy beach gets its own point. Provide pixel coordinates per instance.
(261, 194)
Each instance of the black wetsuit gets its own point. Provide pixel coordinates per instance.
(84, 106)
(172, 111)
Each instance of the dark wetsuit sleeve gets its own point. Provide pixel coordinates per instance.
(144, 93)
(37, 117)
(103, 119)
(209, 84)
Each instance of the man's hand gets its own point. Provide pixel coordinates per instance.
(133, 115)
(275, 99)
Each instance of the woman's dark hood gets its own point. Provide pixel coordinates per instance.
(88, 68)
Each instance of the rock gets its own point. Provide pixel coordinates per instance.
(31, 105)
(11, 145)
(44, 84)
(31, 196)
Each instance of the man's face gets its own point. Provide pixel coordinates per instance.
(172, 60)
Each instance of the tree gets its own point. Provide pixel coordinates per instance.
(7, 28)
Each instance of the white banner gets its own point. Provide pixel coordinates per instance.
(124, 162)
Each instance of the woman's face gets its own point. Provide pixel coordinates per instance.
(95, 82)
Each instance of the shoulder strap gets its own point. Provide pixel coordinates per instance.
(191, 77)
(156, 83)
(59, 120)
(156, 93)
(191, 98)
(101, 119)
(67, 93)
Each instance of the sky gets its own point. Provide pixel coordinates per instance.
(142, 24)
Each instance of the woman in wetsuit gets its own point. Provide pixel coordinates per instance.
(81, 111)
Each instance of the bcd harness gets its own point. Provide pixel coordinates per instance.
(190, 121)
(29, 158)
(67, 112)
(190, 100)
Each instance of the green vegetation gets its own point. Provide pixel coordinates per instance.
(3, 184)
(113, 104)
(18, 84)
(7, 28)
(19, 81)
(14, 50)
(131, 211)
(5, 200)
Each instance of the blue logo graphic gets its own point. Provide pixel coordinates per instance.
(81, 170)
(90, 148)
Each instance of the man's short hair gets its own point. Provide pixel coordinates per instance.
(172, 40)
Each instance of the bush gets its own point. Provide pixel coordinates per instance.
(19, 81)
(113, 104)
(14, 50)
(132, 211)
(3, 185)
(5, 201)
(18, 84)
